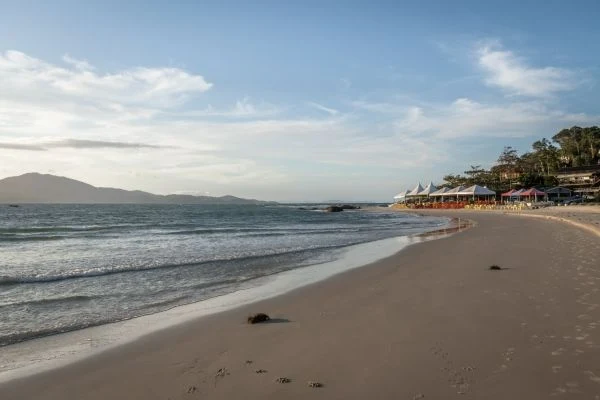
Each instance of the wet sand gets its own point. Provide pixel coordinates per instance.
(431, 322)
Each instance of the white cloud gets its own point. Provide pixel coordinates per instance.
(20, 73)
(243, 108)
(383, 108)
(81, 65)
(512, 73)
(330, 111)
(467, 118)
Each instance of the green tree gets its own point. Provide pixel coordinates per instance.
(531, 179)
(508, 159)
(454, 180)
(591, 143)
(571, 143)
(506, 168)
(547, 155)
(528, 164)
(475, 175)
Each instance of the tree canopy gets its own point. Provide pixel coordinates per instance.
(572, 147)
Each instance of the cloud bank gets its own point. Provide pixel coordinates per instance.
(79, 144)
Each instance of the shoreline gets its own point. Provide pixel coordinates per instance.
(428, 322)
(63, 349)
(583, 217)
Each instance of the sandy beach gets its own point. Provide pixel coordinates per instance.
(430, 322)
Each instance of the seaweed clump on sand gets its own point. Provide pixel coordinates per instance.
(258, 318)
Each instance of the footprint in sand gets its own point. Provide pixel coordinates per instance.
(192, 389)
(558, 391)
(457, 378)
(508, 354)
(571, 387)
(558, 352)
(593, 377)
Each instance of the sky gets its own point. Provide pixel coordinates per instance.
(287, 101)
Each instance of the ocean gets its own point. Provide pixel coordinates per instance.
(68, 267)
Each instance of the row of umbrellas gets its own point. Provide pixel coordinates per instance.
(432, 191)
(476, 190)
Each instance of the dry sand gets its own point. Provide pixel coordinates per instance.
(431, 322)
(587, 217)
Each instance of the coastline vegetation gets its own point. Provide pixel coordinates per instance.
(571, 147)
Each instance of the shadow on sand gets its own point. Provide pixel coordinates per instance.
(276, 321)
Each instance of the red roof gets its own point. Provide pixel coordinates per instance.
(533, 192)
(507, 194)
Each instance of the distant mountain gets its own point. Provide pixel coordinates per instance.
(43, 188)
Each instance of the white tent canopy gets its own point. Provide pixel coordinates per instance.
(455, 191)
(428, 190)
(415, 192)
(440, 192)
(476, 190)
(401, 195)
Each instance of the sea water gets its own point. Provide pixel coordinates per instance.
(68, 267)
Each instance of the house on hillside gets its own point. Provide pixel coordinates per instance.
(583, 180)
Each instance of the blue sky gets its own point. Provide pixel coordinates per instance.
(273, 100)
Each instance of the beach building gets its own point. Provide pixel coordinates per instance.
(583, 180)
(556, 193)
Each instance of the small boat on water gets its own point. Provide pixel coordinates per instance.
(13, 205)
